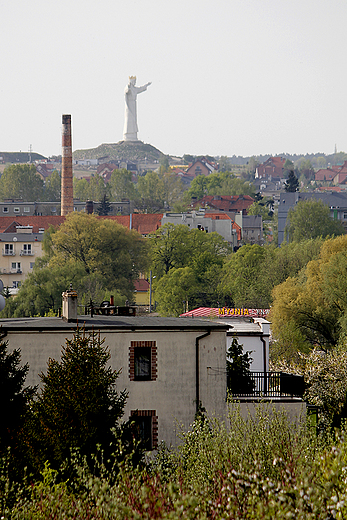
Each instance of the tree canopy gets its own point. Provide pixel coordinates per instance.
(94, 254)
(311, 219)
(187, 265)
(310, 309)
(78, 405)
(20, 181)
(219, 183)
(292, 183)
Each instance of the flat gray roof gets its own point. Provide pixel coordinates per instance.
(109, 323)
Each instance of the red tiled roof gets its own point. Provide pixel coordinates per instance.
(141, 285)
(234, 203)
(8, 224)
(143, 223)
(324, 174)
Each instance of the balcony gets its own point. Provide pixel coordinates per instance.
(8, 252)
(16, 271)
(26, 252)
(269, 385)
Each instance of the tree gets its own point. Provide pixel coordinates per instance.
(94, 189)
(20, 181)
(311, 219)
(250, 274)
(242, 277)
(53, 187)
(103, 248)
(151, 192)
(14, 408)
(97, 255)
(187, 265)
(121, 185)
(310, 309)
(14, 396)
(219, 183)
(78, 406)
(292, 183)
(239, 379)
(178, 246)
(104, 206)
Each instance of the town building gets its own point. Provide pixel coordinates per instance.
(21, 240)
(227, 203)
(201, 167)
(169, 366)
(272, 167)
(210, 222)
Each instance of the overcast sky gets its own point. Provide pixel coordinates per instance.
(243, 77)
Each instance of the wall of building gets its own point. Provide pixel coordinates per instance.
(173, 392)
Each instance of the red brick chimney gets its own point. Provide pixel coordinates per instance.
(66, 168)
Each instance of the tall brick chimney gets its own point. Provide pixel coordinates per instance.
(66, 168)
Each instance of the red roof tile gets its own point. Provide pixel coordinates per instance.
(8, 224)
(141, 285)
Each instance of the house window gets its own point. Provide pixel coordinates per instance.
(27, 249)
(146, 424)
(344, 216)
(16, 285)
(16, 210)
(32, 265)
(143, 361)
(5, 209)
(16, 266)
(26, 209)
(9, 249)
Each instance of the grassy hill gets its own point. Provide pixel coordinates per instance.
(124, 150)
(20, 157)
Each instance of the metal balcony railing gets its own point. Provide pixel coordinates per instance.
(8, 252)
(272, 384)
(26, 252)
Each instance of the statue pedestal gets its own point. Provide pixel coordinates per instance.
(130, 137)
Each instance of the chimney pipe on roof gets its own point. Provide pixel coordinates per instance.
(66, 167)
(70, 305)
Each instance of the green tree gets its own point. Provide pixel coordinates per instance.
(253, 271)
(311, 219)
(78, 405)
(178, 246)
(104, 206)
(53, 187)
(15, 397)
(292, 183)
(14, 412)
(20, 181)
(151, 192)
(121, 185)
(103, 248)
(94, 189)
(164, 164)
(219, 183)
(187, 265)
(81, 189)
(242, 280)
(310, 309)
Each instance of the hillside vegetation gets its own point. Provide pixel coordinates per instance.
(130, 151)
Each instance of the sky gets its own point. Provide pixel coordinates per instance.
(229, 77)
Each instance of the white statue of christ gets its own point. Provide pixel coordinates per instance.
(130, 124)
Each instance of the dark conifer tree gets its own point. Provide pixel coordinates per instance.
(78, 406)
(292, 183)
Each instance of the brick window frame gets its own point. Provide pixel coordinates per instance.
(154, 424)
(143, 344)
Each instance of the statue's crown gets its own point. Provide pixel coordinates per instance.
(132, 77)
